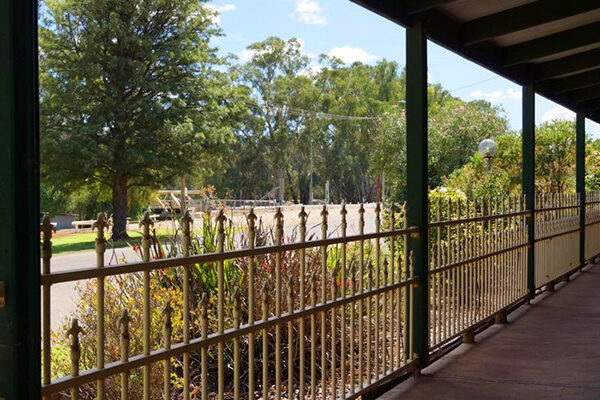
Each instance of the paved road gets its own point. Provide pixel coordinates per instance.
(64, 297)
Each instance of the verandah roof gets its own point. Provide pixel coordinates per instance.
(553, 43)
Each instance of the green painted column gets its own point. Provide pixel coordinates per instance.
(580, 180)
(417, 180)
(528, 178)
(19, 231)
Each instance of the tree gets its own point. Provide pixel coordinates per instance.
(351, 149)
(555, 157)
(554, 163)
(130, 94)
(273, 75)
(455, 129)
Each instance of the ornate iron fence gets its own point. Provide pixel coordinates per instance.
(325, 317)
(478, 263)
(557, 233)
(592, 224)
(331, 331)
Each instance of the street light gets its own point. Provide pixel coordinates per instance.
(488, 149)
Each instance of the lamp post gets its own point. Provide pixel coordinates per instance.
(488, 149)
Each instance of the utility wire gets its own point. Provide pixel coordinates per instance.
(473, 84)
(331, 116)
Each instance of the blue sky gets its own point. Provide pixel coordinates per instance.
(341, 28)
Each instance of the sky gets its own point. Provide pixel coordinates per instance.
(352, 33)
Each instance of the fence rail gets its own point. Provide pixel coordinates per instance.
(247, 313)
(557, 234)
(477, 263)
(320, 325)
(592, 224)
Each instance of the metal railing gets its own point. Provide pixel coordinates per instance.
(326, 317)
(313, 318)
(557, 233)
(592, 224)
(478, 263)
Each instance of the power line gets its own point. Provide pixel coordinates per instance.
(332, 116)
(474, 84)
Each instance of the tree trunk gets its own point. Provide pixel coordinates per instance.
(119, 196)
(378, 188)
(281, 183)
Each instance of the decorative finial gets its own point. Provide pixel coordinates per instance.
(101, 222)
(47, 227)
(251, 218)
(186, 221)
(73, 335)
(146, 220)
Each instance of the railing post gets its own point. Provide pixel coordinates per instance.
(417, 183)
(20, 370)
(580, 181)
(145, 224)
(528, 179)
(101, 224)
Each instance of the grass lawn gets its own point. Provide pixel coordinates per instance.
(87, 241)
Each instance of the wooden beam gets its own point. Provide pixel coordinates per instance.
(571, 65)
(418, 6)
(444, 30)
(386, 9)
(579, 81)
(552, 45)
(595, 118)
(583, 95)
(591, 106)
(523, 17)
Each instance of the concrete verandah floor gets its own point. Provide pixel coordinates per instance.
(549, 350)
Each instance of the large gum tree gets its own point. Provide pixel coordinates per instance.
(131, 94)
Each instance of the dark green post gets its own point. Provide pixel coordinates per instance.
(528, 183)
(417, 183)
(580, 178)
(19, 231)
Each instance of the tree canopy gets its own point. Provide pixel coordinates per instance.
(131, 94)
(554, 164)
(344, 121)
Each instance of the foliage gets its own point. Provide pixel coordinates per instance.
(347, 121)
(555, 157)
(130, 94)
(87, 201)
(456, 128)
(592, 162)
(475, 181)
(554, 164)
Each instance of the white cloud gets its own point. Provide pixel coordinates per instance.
(558, 113)
(350, 55)
(309, 12)
(496, 96)
(514, 94)
(218, 10)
